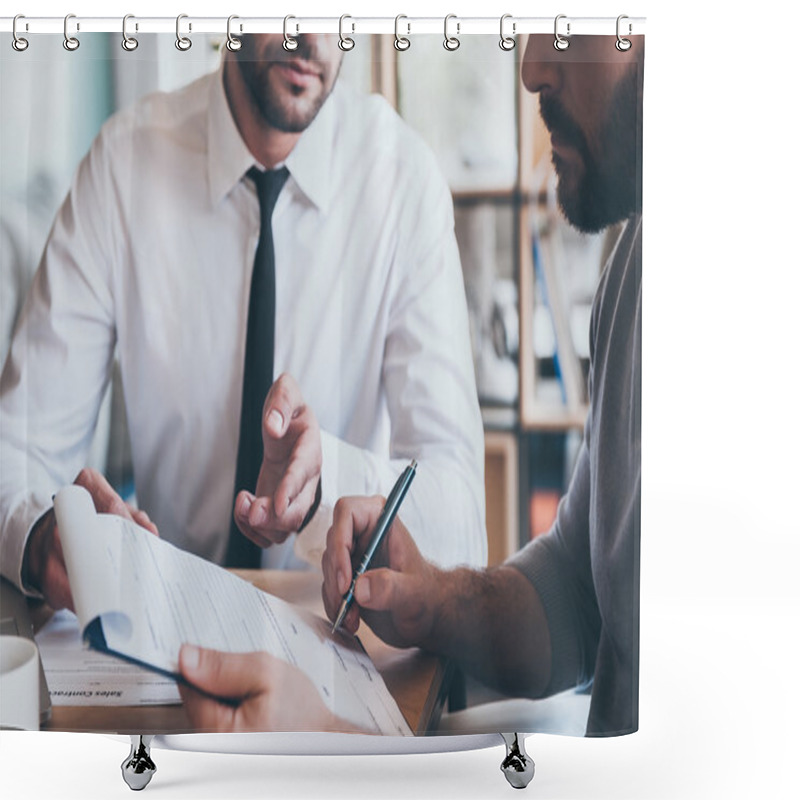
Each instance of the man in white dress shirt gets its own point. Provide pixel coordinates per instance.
(151, 256)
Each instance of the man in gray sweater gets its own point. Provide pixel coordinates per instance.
(565, 609)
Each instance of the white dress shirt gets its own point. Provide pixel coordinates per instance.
(150, 257)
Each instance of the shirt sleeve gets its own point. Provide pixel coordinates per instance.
(558, 564)
(429, 383)
(59, 361)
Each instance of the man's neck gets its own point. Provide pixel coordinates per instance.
(268, 145)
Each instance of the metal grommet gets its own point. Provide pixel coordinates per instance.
(18, 43)
(289, 43)
(623, 45)
(560, 42)
(506, 42)
(129, 43)
(346, 43)
(451, 42)
(183, 43)
(401, 43)
(71, 43)
(233, 44)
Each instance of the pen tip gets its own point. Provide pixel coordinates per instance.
(339, 618)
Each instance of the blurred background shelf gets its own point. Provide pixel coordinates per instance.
(529, 277)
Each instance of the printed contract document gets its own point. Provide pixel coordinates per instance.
(140, 598)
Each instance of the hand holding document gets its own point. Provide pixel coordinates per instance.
(140, 598)
(80, 676)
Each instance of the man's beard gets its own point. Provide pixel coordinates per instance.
(278, 112)
(609, 190)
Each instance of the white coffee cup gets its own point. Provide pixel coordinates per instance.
(19, 684)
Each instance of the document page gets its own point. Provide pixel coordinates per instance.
(78, 676)
(165, 597)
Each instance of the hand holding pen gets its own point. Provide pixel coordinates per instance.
(382, 525)
(399, 596)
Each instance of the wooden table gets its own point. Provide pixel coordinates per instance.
(416, 680)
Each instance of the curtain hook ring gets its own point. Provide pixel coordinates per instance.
(451, 43)
(346, 43)
(623, 45)
(18, 43)
(183, 43)
(401, 43)
(289, 42)
(129, 43)
(560, 42)
(71, 43)
(233, 44)
(507, 42)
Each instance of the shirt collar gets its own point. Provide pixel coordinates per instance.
(229, 158)
(310, 161)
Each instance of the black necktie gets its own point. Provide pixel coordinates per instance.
(258, 362)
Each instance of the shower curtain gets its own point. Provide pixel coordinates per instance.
(453, 277)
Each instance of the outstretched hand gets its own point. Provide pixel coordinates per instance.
(290, 470)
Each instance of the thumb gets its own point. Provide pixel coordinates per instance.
(226, 675)
(275, 423)
(382, 589)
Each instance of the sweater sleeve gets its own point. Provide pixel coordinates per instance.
(558, 564)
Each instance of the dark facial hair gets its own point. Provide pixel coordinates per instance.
(609, 190)
(255, 74)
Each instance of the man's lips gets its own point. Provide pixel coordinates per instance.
(299, 73)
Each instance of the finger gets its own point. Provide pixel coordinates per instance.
(401, 548)
(354, 520)
(292, 518)
(382, 589)
(241, 510)
(304, 468)
(353, 517)
(247, 506)
(352, 619)
(106, 500)
(332, 599)
(51, 575)
(141, 517)
(283, 402)
(262, 526)
(56, 575)
(333, 592)
(233, 676)
(205, 713)
(338, 556)
(55, 585)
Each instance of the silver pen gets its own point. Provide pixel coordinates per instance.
(385, 521)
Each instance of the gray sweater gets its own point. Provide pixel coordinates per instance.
(586, 568)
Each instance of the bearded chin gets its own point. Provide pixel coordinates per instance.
(609, 189)
(288, 119)
(601, 198)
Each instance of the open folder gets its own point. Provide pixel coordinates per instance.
(140, 598)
